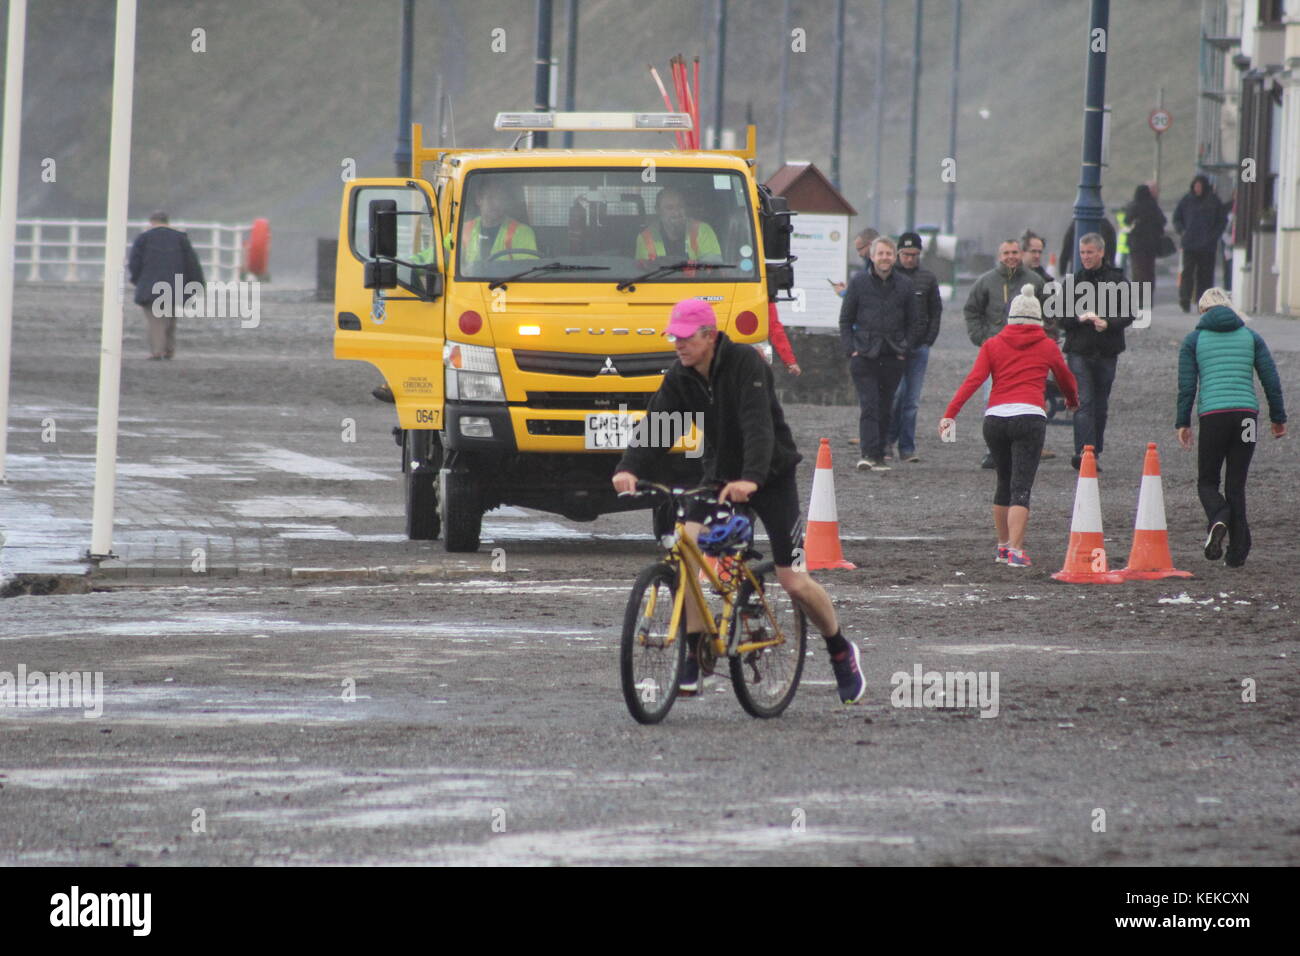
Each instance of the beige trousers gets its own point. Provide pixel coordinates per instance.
(162, 334)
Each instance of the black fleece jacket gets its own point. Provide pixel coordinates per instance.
(745, 434)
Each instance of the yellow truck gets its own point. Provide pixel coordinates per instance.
(515, 300)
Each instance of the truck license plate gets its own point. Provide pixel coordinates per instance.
(607, 431)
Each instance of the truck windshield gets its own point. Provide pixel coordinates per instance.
(611, 218)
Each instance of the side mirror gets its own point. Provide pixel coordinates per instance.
(774, 215)
(383, 229)
(780, 278)
(432, 285)
(380, 274)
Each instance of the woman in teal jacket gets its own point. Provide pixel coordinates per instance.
(1221, 357)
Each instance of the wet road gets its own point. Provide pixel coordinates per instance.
(327, 692)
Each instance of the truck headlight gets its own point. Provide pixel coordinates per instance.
(472, 373)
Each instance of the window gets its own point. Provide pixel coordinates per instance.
(609, 218)
(416, 236)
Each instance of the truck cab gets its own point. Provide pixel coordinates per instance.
(515, 301)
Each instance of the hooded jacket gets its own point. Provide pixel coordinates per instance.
(1223, 356)
(1146, 223)
(745, 434)
(990, 298)
(1200, 219)
(1019, 358)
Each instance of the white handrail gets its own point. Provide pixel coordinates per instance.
(72, 250)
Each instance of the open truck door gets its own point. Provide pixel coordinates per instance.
(388, 294)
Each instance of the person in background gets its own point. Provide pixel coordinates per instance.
(1034, 245)
(862, 244)
(879, 325)
(1092, 346)
(1199, 219)
(674, 235)
(1146, 226)
(781, 341)
(902, 418)
(1068, 261)
(1015, 424)
(158, 256)
(1221, 358)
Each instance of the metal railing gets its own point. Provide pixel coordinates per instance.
(72, 250)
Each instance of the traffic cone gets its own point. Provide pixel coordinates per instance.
(822, 538)
(1149, 557)
(1085, 560)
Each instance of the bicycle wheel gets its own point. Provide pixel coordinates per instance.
(766, 679)
(649, 662)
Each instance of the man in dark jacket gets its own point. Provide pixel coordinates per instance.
(879, 325)
(925, 287)
(160, 258)
(1199, 219)
(747, 445)
(1093, 341)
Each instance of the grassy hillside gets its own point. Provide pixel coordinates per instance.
(287, 89)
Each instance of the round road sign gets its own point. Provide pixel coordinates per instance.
(1160, 120)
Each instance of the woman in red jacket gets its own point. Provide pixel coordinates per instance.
(1015, 424)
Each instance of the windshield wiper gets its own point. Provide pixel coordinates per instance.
(549, 267)
(675, 267)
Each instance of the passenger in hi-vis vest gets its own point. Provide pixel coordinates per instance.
(493, 235)
(675, 236)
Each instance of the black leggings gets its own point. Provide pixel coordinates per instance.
(1015, 444)
(1223, 440)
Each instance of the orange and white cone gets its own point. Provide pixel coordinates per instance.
(1149, 558)
(1085, 561)
(822, 538)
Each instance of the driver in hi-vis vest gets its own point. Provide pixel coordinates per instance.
(493, 235)
(675, 236)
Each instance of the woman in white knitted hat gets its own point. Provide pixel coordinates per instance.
(1015, 423)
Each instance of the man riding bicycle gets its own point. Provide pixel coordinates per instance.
(748, 448)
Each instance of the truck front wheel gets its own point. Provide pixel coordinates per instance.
(462, 511)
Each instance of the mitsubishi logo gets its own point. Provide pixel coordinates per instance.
(609, 367)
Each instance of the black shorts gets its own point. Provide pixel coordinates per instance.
(776, 504)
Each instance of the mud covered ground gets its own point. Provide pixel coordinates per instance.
(487, 724)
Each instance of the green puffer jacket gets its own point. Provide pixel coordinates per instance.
(1222, 356)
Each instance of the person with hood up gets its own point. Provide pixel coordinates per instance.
(1146, 225)
(1015, 423)
(1199, 219)
(1221, 358)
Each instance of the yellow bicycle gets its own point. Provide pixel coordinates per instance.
(760, 630)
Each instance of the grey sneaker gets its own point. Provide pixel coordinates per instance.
(878, 465)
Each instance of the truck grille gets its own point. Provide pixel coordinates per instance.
(589, 365)
(542, 426)
(594, 401)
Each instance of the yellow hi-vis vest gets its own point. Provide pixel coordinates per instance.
(700, 242)
(1121, 234)
(510, 235)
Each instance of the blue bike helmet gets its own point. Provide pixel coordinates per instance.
(726, 532)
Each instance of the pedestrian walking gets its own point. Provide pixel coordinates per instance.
(902, 417)
(1220, 359)
(1199, 218)
(1093, 342)
(879, 325)
(1068, 261)
(1015, 424)
(1146, 227)
(990, 298)
(161, 258)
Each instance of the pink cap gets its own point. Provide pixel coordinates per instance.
(689, 316)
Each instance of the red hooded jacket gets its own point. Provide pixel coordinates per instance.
(1019, 358)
